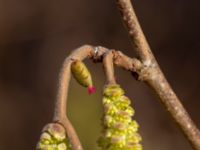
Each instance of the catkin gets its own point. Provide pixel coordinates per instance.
(53, 137)
(119, 131)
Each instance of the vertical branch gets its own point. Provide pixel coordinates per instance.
(61, 105)
(154, 77)
(108, 67)
(135, 32)
(61, 102)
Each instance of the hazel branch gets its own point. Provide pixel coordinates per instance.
(61, 102)
(86, 51)
(108, 67)
(154, 77)
(148, 73)
(65, 75)
(135, 32)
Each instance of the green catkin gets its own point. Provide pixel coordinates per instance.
(53, 137)
(119, 131)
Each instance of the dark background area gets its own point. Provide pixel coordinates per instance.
(35, 38)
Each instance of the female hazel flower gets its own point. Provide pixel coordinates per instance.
(82, 75)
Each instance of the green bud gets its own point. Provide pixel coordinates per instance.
(81, 73)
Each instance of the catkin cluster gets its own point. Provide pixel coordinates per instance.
(119, 132)
(53, 137)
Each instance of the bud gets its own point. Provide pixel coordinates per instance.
(53, 137)
(82, 75)
(119, 130)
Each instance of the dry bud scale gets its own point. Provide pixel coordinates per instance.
(119, 132)
(82, 75)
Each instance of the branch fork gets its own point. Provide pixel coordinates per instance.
(147, 72)
(97, 54)
(144, 69)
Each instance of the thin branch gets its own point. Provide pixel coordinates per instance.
(65, 75)
(108, 67)
(152, 74)
(71, 133)
(88, 51)
(61, 102)
(136, 34)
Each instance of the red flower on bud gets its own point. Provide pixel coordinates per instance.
(91, 90)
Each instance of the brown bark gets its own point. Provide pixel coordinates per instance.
(152, 74)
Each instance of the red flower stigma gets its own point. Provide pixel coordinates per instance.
(91, 90)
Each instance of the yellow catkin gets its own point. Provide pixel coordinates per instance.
(119, 131)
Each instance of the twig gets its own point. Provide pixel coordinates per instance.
(152, 74)
(88, 51)
(136, 34)
(61, 102)
(65, 74)
(81, 53)
(108, 67)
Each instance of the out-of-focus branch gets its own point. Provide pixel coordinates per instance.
(152, 74)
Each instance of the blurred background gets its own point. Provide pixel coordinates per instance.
(35, 38)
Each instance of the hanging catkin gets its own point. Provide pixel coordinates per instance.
(53, 137)
(119, 131)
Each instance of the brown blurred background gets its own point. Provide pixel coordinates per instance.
(36, 36)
